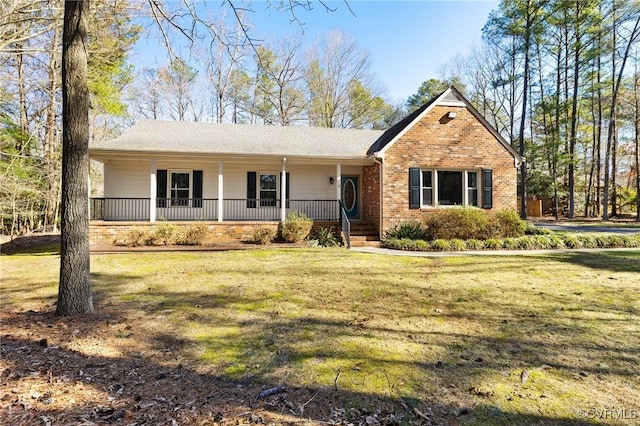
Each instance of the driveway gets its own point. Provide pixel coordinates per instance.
(587, 228)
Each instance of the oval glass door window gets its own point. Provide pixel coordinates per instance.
(349, 195)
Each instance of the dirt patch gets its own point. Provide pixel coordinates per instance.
(48, 242)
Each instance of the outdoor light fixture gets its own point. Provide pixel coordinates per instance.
(331, 180)
(451, 115)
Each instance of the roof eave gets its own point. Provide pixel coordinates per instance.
(105, 154)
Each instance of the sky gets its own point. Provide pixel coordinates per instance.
(409, 41)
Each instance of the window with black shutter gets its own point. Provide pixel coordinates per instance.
(251, 189)
(161, 188)
(197, 188)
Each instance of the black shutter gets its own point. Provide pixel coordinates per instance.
(487, 188)
(414, 188)
(161, 188)
(197, 188)
(286, 190)
(251, 190)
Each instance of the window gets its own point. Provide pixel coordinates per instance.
(427, 188)
(268, 189)
(180, 185)
(448, 188)
(177, 187)
(472, 188)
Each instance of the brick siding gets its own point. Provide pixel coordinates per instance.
(462, 143)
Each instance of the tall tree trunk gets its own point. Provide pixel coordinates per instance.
(74, 292)
(637, 140)
(574, 114)
(523, 117)
(51, 141)
(22, 92)
(599, 123)
(611, 134)
(592, 167)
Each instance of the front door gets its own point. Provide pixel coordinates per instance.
(350, 195)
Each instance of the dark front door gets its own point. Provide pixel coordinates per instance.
(350, 195)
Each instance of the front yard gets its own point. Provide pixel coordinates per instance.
(195, 336)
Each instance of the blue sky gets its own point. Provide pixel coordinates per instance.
(409, 41)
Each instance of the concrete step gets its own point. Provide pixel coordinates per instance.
(364, 243)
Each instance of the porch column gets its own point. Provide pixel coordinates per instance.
(339, 182)
(153, 191)
(220, 192)
(283, 191)
(89, 196)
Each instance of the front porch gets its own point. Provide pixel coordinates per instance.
(227, 221)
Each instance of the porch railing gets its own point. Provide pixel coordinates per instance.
(345, 224)
(204, 209)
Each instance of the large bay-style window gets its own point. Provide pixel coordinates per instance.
(437, 188)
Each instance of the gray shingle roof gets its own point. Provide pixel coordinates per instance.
(215, 138)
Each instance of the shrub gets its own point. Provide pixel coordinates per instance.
(542, 242)
(631, 240)
(587, 240)
(165, 234)
(457, 245)
(556, 242)
(325, 237)
(572, 241)
(193, 235)
(531, 229)
(296, 227)
(441, 244)
(492, 244)
(421, 245)
(263, 235)
(508, 223)
(510, 243)
(403, 243)
(412, 230)
(475, 245)
(457, 223)
(137, 238)
(526, 243)
(615, 241)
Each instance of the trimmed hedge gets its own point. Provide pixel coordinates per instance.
(529, 242)
(467, 223)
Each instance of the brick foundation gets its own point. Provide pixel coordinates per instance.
(106, 233)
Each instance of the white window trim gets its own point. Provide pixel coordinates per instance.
(170, 172)
(434, 188)
(259, 190)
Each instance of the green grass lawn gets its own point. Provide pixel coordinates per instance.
(457, 331)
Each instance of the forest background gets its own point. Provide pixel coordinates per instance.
(560, 80)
